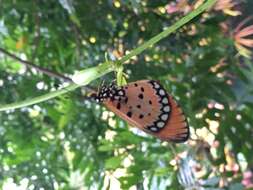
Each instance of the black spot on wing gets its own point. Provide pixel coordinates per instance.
(129, 114)
(141, 96)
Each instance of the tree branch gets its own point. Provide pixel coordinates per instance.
(38, 68)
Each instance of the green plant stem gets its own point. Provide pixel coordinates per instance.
(38, 99)
(168, 31)
(96, 72)
(91, 74)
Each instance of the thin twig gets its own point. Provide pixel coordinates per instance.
(38, 68)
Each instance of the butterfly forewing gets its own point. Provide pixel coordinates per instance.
(140, 106)
(147, 105)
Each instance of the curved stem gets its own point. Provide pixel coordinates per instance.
(38, 99)
(86, 76)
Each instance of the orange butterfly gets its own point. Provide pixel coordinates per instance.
(146, 105)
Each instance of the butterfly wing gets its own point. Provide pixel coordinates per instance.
(176, 129)
(147, 106)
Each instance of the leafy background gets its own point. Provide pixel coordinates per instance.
(72, 143)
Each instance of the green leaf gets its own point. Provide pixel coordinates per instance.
(106, 147)
(114, 162)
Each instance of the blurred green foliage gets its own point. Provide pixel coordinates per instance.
(72, 143)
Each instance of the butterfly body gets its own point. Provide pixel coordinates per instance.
(146, 105)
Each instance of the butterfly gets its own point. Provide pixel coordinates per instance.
(146, 105)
